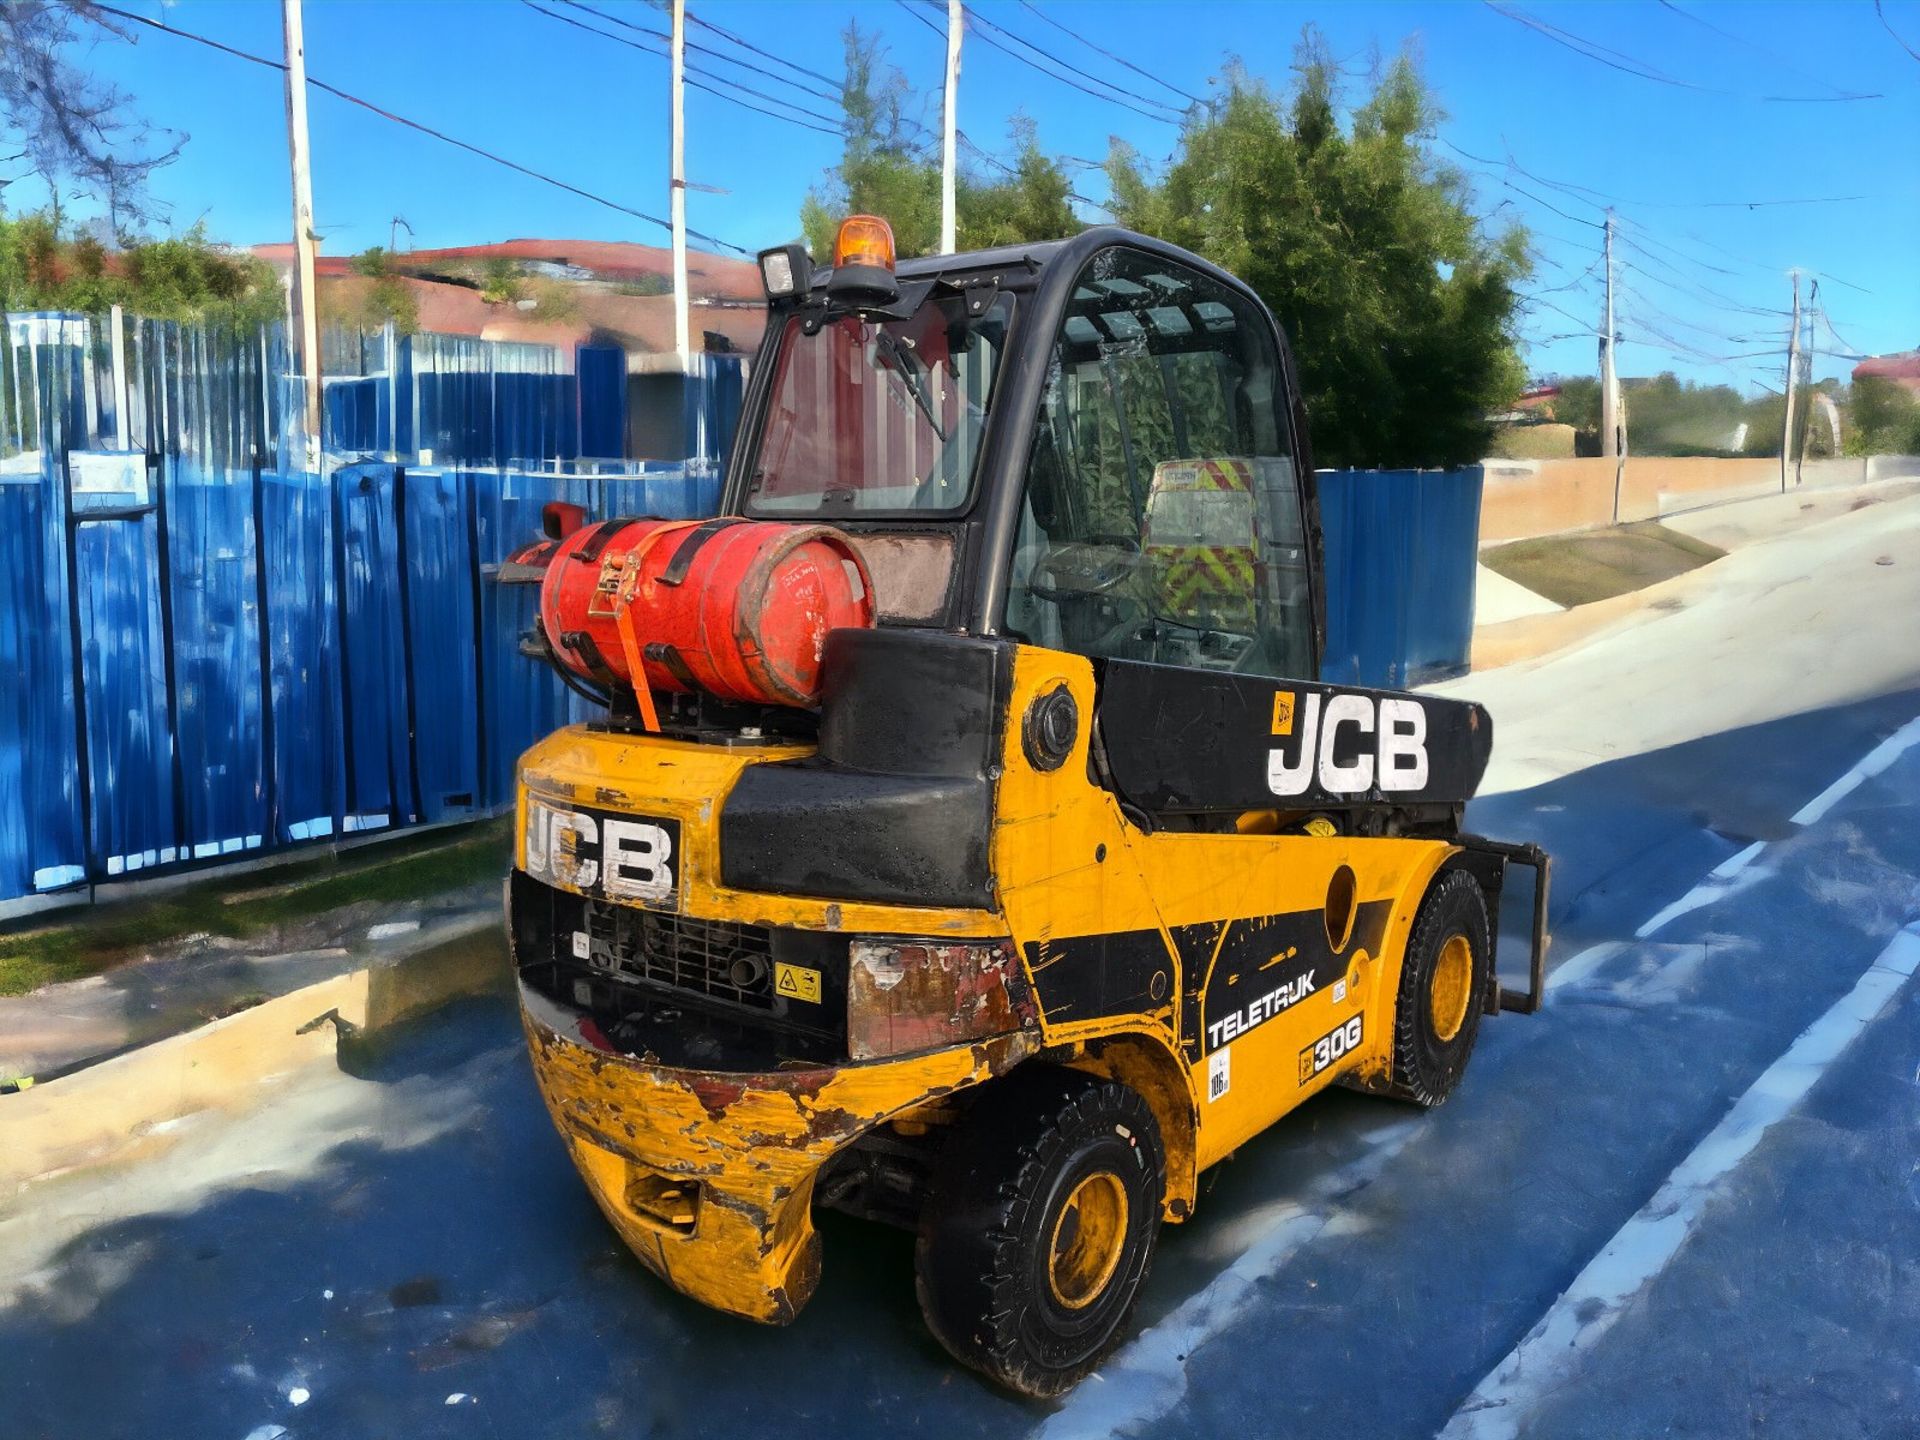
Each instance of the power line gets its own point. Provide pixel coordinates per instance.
(922, 18)
(1126, 99)
(1700, 286)
(1758, 48)
(697, 48)
(745, 44)
(1503, 180)
(1117, 59)
(1848, 350)
(1710, 330)
(1628, 65)
(826, 124)
(1694, 292)
(1881, 11)
(1577, 280)
(1586, 191)
(1008, 170)
(439, 135)
(1559, 310)
(1665, 248)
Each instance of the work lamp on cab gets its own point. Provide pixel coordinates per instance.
(786, 272)
(863, 262)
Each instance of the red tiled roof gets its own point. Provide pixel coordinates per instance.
(616, 260)
(597, 314)
(1904, 366)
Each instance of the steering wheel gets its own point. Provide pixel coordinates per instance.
(1121, 563)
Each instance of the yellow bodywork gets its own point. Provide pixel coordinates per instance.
(1067, 865)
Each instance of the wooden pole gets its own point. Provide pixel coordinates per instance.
(1806, 367)
(950, 126)
(1610, 429)
(682, 330)
(1793, 365)
(1609, 415)
(306, 294)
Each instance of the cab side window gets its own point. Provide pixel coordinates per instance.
(1162, 519)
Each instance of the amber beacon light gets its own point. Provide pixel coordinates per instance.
(864, 240)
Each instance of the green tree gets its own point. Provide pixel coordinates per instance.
(883, 170)
(387, 300)
(1882, 418)
(889, 168)
(1668, 416)
(181, 278)
(1401, 309)
(1578, 403)
(1031, 202)
(501, 280)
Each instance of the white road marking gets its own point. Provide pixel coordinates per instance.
(1147, 1377)
(1877, 760)
(1720, 881)
(1734, 864)
(1581, 966)
(1504, 1401)
(1726, 878)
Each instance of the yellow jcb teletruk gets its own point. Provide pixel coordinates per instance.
(968, 841)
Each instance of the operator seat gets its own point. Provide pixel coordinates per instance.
(1199, 541)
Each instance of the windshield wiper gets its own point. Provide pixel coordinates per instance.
(901, 360)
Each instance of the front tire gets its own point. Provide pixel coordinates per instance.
(1040, 1226)
(1443, 990)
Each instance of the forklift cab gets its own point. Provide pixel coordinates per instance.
(1093, 446)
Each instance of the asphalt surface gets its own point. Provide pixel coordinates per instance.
(411, 1254)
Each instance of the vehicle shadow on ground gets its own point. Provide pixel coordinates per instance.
(474, 1288)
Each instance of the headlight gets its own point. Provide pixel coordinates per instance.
(786, 273)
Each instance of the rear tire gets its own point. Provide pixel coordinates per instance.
(1040, 1226)
(1443, 990)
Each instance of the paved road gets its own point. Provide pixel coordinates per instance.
(1694, 1179)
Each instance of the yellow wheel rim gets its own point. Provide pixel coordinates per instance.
(1451, 988)
(1089, 1235)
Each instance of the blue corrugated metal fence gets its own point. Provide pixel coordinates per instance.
(206, 652)
(1402, 548)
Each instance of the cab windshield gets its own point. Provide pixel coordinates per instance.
(879, 417)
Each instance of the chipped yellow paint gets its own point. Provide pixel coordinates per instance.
(752, 1143)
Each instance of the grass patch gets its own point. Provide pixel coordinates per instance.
(1597, 564)
(240, 906)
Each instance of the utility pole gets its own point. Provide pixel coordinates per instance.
(1793, 365)
(1610, 385)
(682, 339)
(1806, 374)
(306, 294)
(949, 154)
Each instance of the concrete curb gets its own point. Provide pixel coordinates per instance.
(128, 1106)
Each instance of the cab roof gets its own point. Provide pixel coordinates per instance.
(1037, 255)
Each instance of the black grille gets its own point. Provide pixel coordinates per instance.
(718, 958)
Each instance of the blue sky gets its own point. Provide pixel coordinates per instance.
(594, 113)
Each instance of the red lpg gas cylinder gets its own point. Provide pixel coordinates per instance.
(738, 608)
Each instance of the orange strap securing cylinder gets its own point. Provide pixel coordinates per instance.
(623, 620)
(737, 608)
